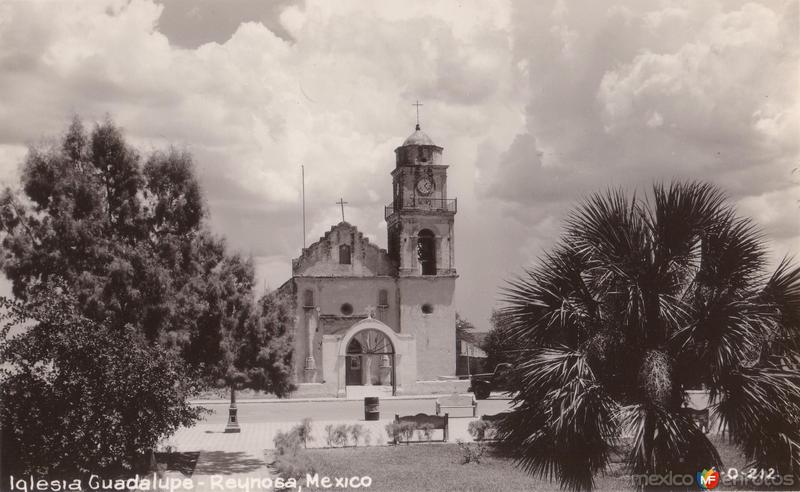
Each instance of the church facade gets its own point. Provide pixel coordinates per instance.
(373, 321)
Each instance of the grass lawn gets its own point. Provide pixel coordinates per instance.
(432, 467)
(438, 467)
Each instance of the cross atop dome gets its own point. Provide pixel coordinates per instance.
(417, 104)
(418, 137)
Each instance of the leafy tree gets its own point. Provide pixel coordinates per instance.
(129, 238)
(641, 300)
(465, 330)
(260, 347)
(81, 397)
(496, 343)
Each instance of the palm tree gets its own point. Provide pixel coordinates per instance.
(641, 300)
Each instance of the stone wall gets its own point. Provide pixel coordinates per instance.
(435, 331)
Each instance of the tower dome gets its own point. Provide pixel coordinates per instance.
(418, 138)
(418, 149)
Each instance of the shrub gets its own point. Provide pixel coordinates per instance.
(471, 452)
(481, 429)
(340, 434)
(407, 430)
(425, 431)
(393, 431)
(404, 431)
(294, 465)
(356, 431)
(287, 442)
(329, 435)
(303, 430)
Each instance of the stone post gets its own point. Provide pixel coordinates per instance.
(233, 419)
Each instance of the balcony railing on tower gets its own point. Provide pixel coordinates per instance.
(422, 204)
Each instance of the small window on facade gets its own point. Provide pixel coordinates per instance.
(308, 298)
(344, 254)
(383, 297)
(427, 309)
(346, 309)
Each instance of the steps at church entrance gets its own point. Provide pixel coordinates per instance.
(361, 392)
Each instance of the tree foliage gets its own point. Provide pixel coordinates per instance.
(261, 347)
(128, 236)
(642, 300)
(81, 397)
(496, 343)
(465, 330)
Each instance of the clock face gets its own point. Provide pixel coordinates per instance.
(425, 186)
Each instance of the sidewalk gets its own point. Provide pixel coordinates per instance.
(254, 438)
(237, 456)
(214, 467)
(220, 401)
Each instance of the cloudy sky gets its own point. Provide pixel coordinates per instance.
(536, 104)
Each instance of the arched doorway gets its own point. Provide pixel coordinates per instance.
(370, 359)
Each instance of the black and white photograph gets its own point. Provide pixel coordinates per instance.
(399, 245)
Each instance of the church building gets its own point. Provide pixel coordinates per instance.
(377, 322)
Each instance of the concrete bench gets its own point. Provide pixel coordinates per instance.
(457, 401)
(421, 419)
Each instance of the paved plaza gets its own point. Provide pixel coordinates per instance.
(247, 453)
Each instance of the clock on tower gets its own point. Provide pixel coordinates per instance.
(425, 186)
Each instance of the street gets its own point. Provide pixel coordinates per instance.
(287, 411)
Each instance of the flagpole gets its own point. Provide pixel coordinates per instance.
(303, 177)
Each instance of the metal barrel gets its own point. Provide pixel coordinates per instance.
(372, 408)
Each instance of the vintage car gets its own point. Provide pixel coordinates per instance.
(483, 384)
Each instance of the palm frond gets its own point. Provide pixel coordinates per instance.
(610, 228)
(733, 255)
(552, 303)
(681, 212)
(759, 407)
(563, 427)
(665, 441)
(726, 333)
(782, 291)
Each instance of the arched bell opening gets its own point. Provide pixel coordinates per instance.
(426, 251)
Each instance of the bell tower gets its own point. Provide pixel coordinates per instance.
(421, 244)
(420, 217)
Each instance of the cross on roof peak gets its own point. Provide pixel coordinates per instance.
(342, 203)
